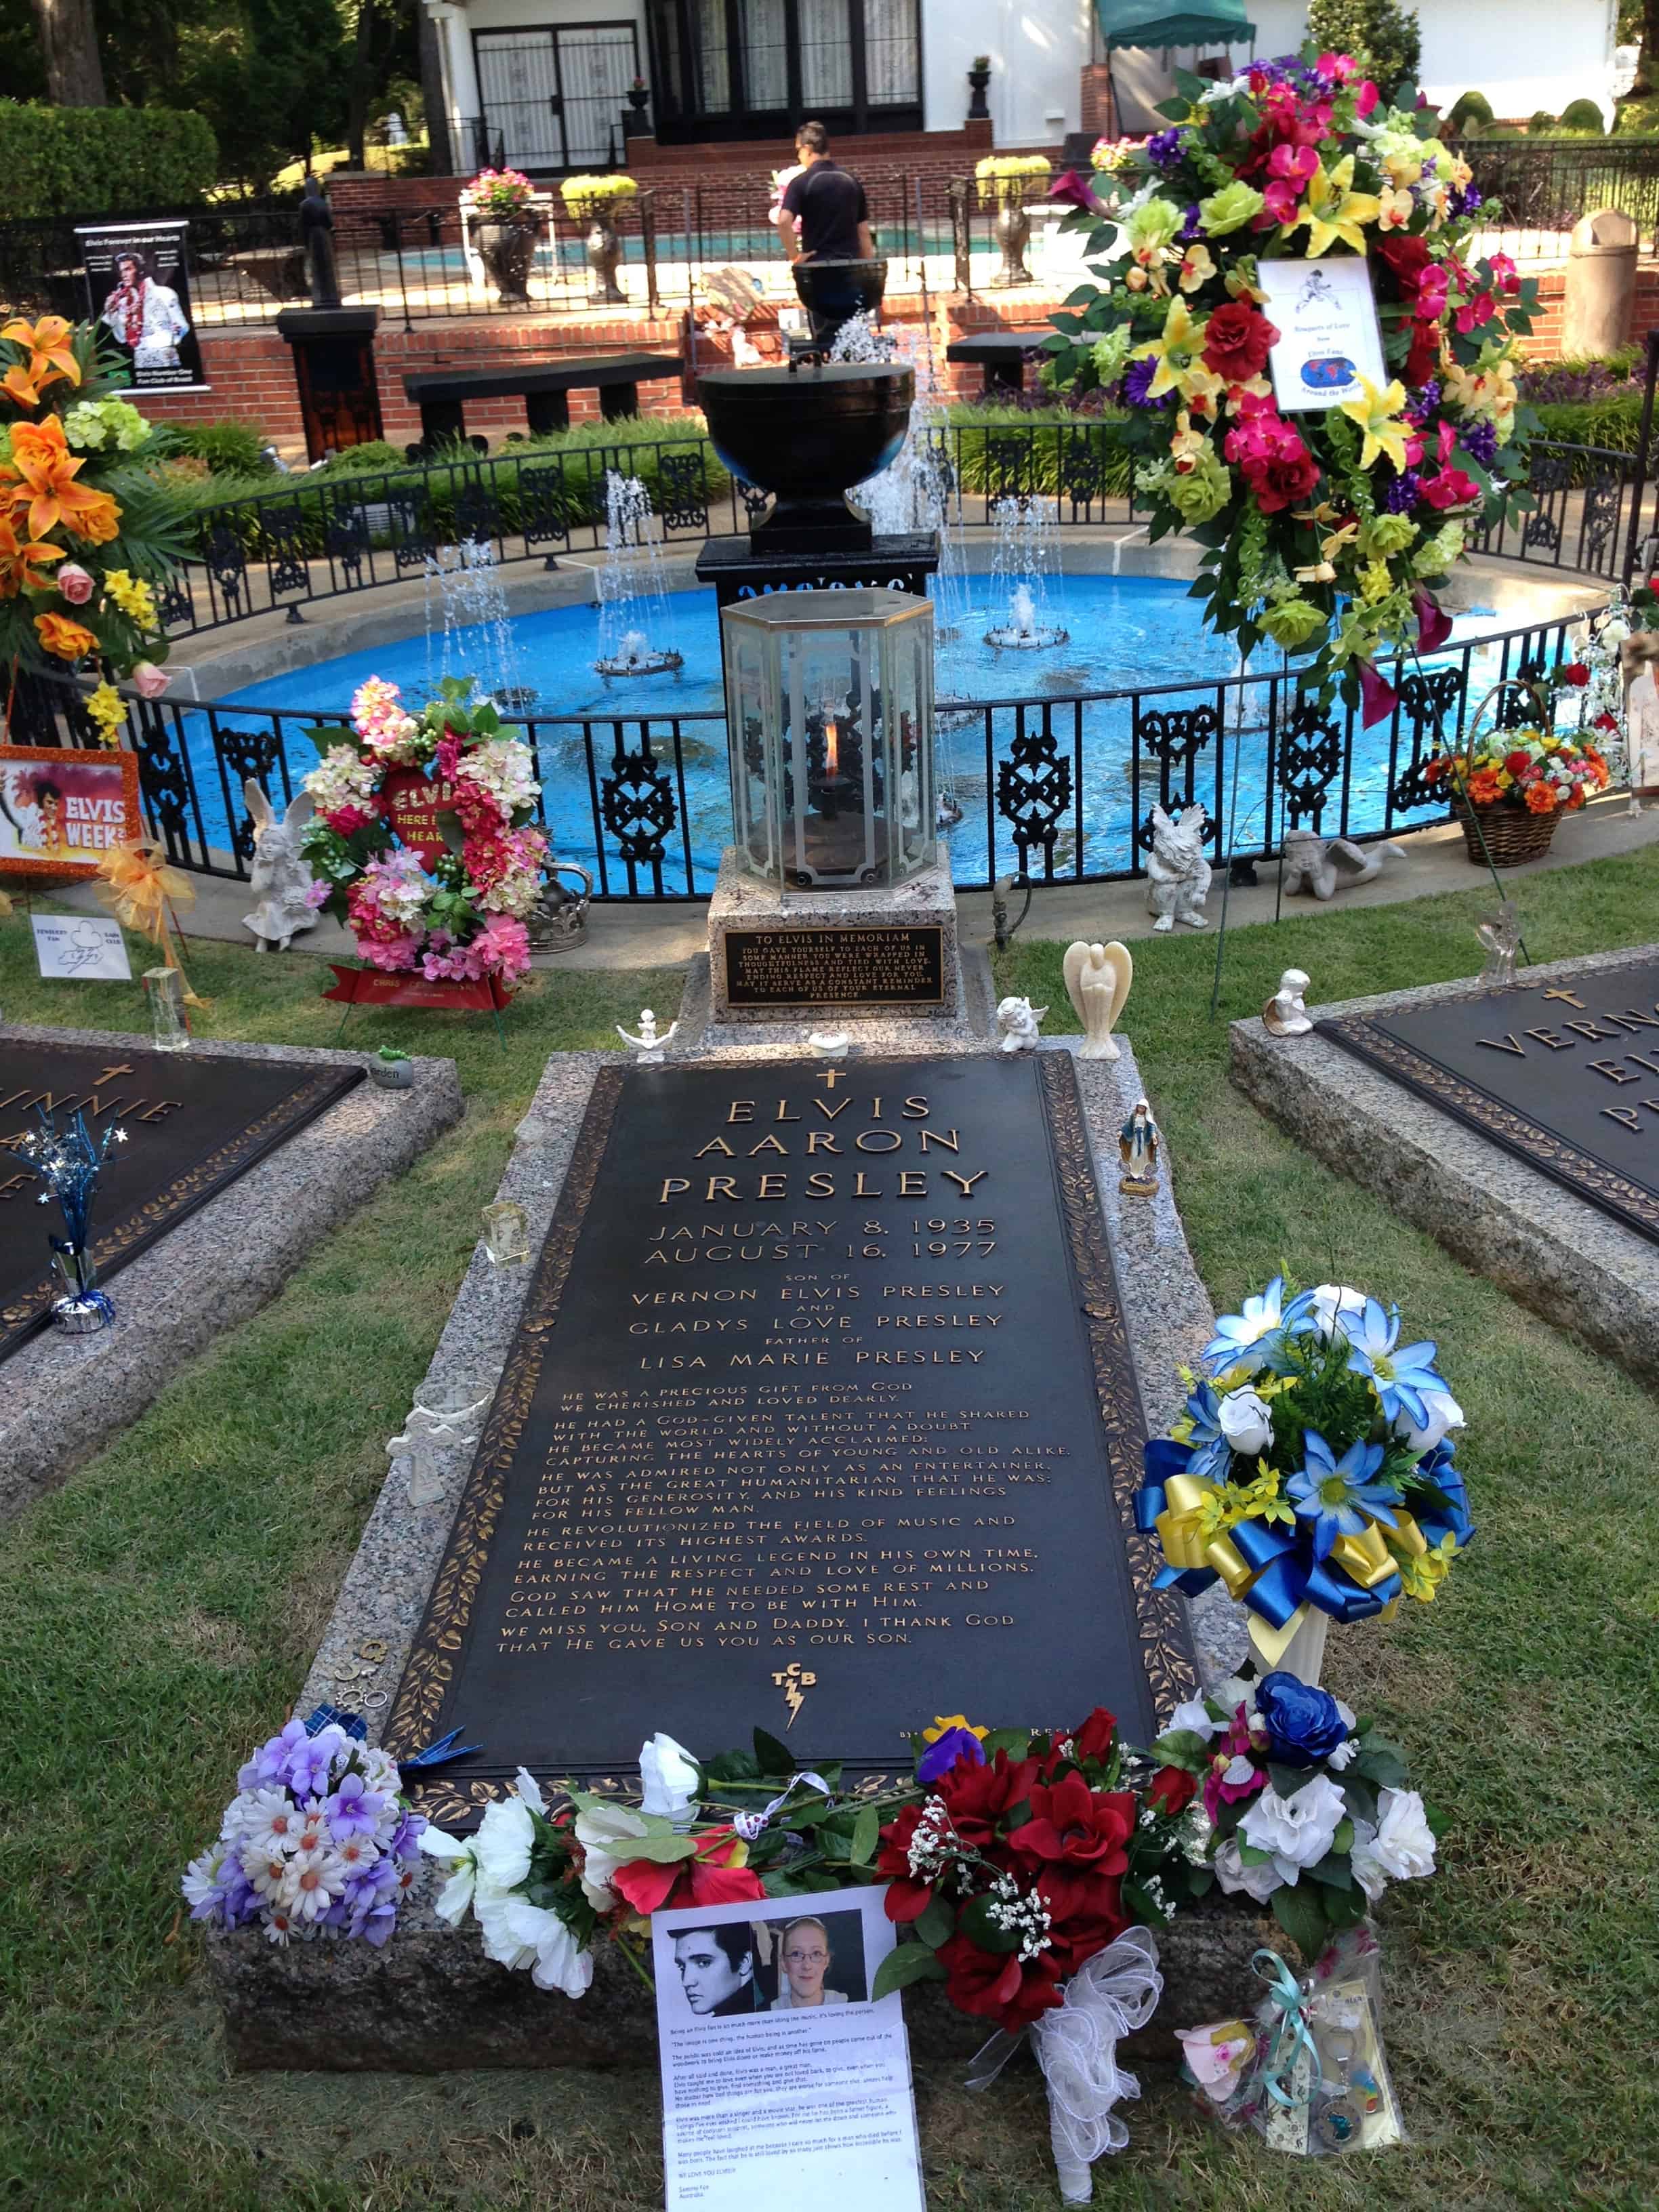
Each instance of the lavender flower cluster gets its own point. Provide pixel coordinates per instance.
(318, 1840)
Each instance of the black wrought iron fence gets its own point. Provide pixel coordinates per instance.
(1062, 788)
(1547, 184)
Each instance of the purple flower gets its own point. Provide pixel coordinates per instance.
(1401, 496)
(355, 1808)
(269, 1764)
(1164, 148)
(1479, 442)
(940, 1757)
(1191, 228)
(1426, 398)
(1137, 377)
(306, 1770)
(1465, 202)
(406, 1837)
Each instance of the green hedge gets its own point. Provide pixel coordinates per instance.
(103, 161)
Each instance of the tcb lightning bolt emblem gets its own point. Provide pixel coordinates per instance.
(794, 1681)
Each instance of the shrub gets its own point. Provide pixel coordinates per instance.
(1472, 112)
(1386, 35)
(229, 448)
(1540, 124)
(103, 161)
(1583, 115)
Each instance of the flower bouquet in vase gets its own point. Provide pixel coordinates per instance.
(1311, 1470)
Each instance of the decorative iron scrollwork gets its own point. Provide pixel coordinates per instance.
(282, 532)
(636, 804)
(226, 562)
(1082, 475)
(544, 507)
(1309, 755)
(345, 541)
(1599, 526)
(163, 774)
(246, 753)
(1007, 465)
(1034, 791)
(754, 498)
(1429, 699)
(175, 602)
(411, 532)
(477, 512)
(683, 496)
(1174, 737)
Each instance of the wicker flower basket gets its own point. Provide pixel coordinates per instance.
(1512, 835)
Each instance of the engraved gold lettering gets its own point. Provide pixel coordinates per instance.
(1505, 1043)
(821, 1140)
(1614, 1072)
(715, 1145)
(742, 1110)
(947, 1138)
(671, 1185)
(966, 1183)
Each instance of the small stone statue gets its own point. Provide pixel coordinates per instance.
(649, 1047)
(1097, 980)
(1325, 866)
(282, 878)
(1284, 1014)
(1137, 1147)
(1178, 870)
(1500, 937)
(1017, 1022)
(317, 232)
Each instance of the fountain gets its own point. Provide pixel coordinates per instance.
(466, 579)
(1025, 527)
(632, 597)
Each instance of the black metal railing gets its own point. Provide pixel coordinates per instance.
(1060, 788)
(1547, 184)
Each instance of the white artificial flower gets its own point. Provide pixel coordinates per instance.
(1235, 1691)
(1349, 1749)
(458, 1853)
(356, 1854)
(267, 1872)
(1246, 1422)
(315, 1880)
(1235, 1878)
(1238, 1771)
(605, 1831)
(1444, 1412)
(1194, 1715)
(1405, 1841)
(1368, 1870)
(668, 1774)
(559, 1963)
(1335, 1305)
(201, 1882)
(506, 1836)
(1299, 1829)
(530, 1790)
(267, 1821)
(501, 1941)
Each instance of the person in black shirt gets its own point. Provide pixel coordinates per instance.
(829, 202)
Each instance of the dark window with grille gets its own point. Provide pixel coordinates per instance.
(737, 69)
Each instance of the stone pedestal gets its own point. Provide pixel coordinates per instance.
(829, 958)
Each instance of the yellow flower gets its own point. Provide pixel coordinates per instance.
(1196, 266)
(1395, 208)
(943, 1723)
(1334, 211)
(1377, 414)
(1422, 1575)
(1375, 582)
(105, 708)
(1176, 354)
(1187, 444)
(134, 598)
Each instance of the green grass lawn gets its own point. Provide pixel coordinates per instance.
(157, 1613)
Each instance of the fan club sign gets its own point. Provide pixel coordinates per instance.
(138, 284)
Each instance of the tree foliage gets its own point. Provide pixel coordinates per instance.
(102, 160)
(1388, 35)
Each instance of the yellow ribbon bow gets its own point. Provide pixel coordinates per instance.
(139, 885)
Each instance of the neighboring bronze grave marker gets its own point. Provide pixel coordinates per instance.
(885, 964)
(1564, 1074)
(821, 1415)
(194, 1123)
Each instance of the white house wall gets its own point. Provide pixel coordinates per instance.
(1037, 49)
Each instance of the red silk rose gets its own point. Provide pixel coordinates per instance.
(1172, 1791)
(904, 1898)
(998, 1985)
(1076, 1826)
(1575, 673)
(977, 1797)
(1236, 341)
(1086, 1912)
(1094, 1739)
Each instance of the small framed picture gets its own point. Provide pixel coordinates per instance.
(1325, 313)
(62, 810)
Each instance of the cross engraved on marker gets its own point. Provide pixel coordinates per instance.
(831, 1075)
(110, 1074)
(1567, 997)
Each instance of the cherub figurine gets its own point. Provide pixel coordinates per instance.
(1177, 870)
(649, 1047)
(1018, 1020)
(1137, 1147)
(1284, 1014)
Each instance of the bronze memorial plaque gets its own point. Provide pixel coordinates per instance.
(821, 1416)
(194, 1122)
(887, 965)
(1564, 1074)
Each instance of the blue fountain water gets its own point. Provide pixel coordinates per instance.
(1123, 632)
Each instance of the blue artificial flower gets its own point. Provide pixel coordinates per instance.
(1263, 1328)
(1164, 148)
(1338, 1495)
(1303, 1724)
(1400, 1373)
(942, 1755)
(1208, 1445)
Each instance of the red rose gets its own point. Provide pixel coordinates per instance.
(1173, 1790)
(1406, 257)
(1517, 762)
(1094, 1739)
(1575, 673)
(1085, 1912)
(1076, 1827)
(998, 1985)
(905, 1897)
(1283, 476)
(977, 1797)
(1236, 342)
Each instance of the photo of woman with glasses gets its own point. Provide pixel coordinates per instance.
(803, 1961)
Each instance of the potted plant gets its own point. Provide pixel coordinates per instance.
(1003, 180)
(505, 227)
(979, 75)
(638, 96)
(592, 200)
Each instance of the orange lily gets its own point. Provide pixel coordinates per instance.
(17, 559)
(51, 361)
(44, 470)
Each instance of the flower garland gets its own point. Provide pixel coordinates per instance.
(454, 915)
(1311, 1468)
(317, 1841)
(1327, 534)
(79, 565)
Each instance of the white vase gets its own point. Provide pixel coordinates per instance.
(1304, 1654)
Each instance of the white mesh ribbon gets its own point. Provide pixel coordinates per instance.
(1110, 1996)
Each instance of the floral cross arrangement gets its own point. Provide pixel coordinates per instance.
(1311, 1468)
(1328, 534)
(87, 535)
(458, 914)
(501, 193)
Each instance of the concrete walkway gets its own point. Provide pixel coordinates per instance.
(668, 935)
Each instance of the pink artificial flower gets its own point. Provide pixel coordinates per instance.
(73, 582)
(1335, 68)
(1504, 272)
(1296, 164)
(317, 892)
(446, 757)
(1365, 99)
(1225, 1781)
(1280, 201)
(1074, 189)
(1430, 304)
(1434, 624)
(1451, 488)
(149, 681)
(502, 947)
(396, 954)
(1378, 696)
(345, 819)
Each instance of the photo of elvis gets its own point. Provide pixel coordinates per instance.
(33, 804)
(143, 314)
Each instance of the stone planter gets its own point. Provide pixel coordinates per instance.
(1011, 227)
(977, 82)
(507, 251)
(639, 97)
(604, 252)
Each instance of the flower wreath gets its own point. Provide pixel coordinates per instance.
(455, 914)
(1325, 534)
